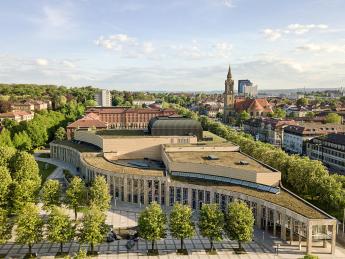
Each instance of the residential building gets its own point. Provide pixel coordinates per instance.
(23, 106)
(141, 168)
(296, 111)
(17, 116)
(40, 105)
(256, 107)
(329, 149)
(269, 130)
(29, 106)
(140, 103)
(296, 136)
(103, 98)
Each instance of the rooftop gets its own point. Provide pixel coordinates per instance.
(81, 147)
(284, 198)
(225, 158)
(103, 164)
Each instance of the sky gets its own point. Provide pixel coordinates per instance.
(173, 45)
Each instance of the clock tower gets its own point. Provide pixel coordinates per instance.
(229, 96)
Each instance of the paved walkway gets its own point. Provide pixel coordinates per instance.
(60, 164)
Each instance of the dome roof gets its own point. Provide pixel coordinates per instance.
(174, 125)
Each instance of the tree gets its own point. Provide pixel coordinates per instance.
(75, 194)
(60, 134)
(181, 224)
(302, 101)
(239, 222)
(211, 222)
(23, 192)
(62, 100)
(5, 106)
(242, 117)
(29, 226)
(333, 118)
(90, 103)
(5, 183)
(279, 113)
(82, 254)
(38, 133)
(50, 193)
(60, 228)
(24, 167)
(151, 223)
(22, 141)
(6, 154)
(5, 226)
(99, 193)
(93, 227)
(5, 138)
(310, 114)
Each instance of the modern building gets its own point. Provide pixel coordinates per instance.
(174, 126)
(247, 89)
(140, 168)
(17, 116)
(103, 98)
(330, 150)
(124, 117)
(229, 97)
(296, 136)
(269, 130)
(242, 84)
(256, 107)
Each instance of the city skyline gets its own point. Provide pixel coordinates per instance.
(173, 45)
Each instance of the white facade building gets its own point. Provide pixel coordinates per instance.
(103, 98)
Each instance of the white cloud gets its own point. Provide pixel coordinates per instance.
(296, 29)
(272, 35)
(125, 45)
(319, 48)
(304, 28)
(68, 64)
(41, 62)
(222, 50)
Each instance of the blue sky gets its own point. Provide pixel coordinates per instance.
(173, 45)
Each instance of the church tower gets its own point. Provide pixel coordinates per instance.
(229, 96)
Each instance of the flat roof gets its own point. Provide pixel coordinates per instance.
(104, 164)
(229, 159)
(284, 198)
(80, 146)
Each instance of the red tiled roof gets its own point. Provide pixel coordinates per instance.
(117, 110)
(87, 122)
(258, 104)
(15, 113)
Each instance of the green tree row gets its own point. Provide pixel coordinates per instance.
(308, 178)
(59, 227)
(237, 223)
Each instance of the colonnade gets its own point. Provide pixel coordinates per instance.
(142, 190)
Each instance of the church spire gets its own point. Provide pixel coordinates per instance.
(229, 73)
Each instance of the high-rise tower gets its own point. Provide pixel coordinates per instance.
(229, 96)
